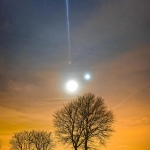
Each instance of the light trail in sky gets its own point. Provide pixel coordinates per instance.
(128, 97)
(68, 29)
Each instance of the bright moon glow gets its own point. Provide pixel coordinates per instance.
(72, 86)
(87, 76)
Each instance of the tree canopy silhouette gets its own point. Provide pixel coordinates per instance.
(26, 140)
(82, 121)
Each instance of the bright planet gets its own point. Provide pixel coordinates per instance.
(87, 76)
(72, 86)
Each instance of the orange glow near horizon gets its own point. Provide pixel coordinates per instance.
(108, 55)
(132, 112)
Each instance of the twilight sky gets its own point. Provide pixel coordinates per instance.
(109, 39)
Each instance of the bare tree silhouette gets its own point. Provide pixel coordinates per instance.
(83, 121)
(68, 130)
(39, 140)
(42, 140)
(17, 141)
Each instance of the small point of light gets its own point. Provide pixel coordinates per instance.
(72, 85)
(87, 77)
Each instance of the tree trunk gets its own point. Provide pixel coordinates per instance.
(75, 148)
(85, 145)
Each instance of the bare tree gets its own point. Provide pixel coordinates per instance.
(84, 120)
(40, 140)
(1, 143)
(97, 119)
(68, 125)
(17, 141)
(48, 141)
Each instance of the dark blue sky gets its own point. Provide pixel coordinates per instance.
(34, 32)
(38, 28)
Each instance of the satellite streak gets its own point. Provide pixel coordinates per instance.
(146, 85)
(68, 28)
